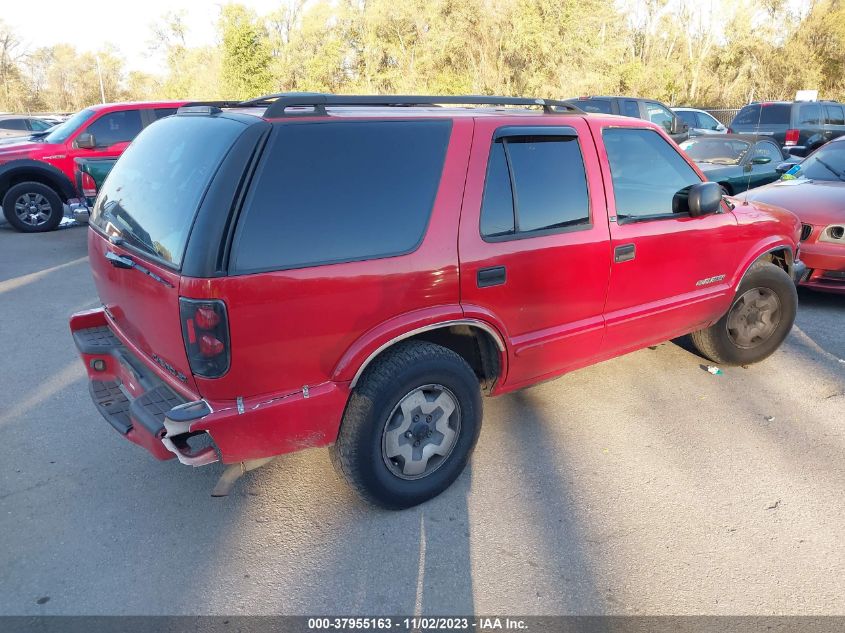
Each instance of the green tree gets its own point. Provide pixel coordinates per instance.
(245, 67)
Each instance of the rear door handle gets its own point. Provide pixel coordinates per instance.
(624, 253)
(493, 276)
(119, 262)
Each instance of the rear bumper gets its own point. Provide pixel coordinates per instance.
(145, 410)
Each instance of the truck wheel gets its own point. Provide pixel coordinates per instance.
(757, 322)
(31, 207)
(409, 426)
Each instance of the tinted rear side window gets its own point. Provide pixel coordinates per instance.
(551, 187)
(834, 115)
(769, 114)
(810, 114)
(341, 191)
(151, 196)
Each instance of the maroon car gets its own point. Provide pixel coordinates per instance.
(817, 196)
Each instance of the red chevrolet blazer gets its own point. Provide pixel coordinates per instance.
(358, 271)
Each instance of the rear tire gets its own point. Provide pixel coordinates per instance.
(410, 425)
(757, 322)
(32, 207)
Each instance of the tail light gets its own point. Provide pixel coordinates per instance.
(791, 137)
(205, 331)
(89, 187)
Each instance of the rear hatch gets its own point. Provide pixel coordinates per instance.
(140, 226)
(771, 119)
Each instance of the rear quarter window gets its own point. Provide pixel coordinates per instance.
(594, 105)
(340, 191)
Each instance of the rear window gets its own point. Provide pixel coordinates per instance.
(151, 196)
(769, 114)
(345, 191)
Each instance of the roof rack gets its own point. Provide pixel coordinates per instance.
(278, 104)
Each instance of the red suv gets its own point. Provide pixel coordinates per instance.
(312, 270)
(38, 175)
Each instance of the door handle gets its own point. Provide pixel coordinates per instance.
(493, 276)
(624, 253)
(119, 262)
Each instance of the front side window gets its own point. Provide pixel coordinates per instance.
(116, 127)
(765, 149)
(809, 114)
(340, 191)
(687, 117)
(39, 125)
(717, 151)
(707, 122)
(534, 184)
(658, 114)
(650, 178)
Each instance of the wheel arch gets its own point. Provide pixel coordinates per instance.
(477, 342)
(19, 171)
(781, 255)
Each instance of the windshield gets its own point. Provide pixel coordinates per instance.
(61, 132)
(718, 150)
(827, 163)
(153, 192)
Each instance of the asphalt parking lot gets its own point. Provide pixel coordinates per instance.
(643, 485)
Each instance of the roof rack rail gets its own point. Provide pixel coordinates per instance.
(278, 104)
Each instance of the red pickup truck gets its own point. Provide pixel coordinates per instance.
(38, 173)
(357, 271)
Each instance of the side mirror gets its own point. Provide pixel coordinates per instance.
(760, 160)
(785, 166)
(704, 198)
(85, 140)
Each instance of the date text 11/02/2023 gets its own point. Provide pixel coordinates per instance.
(417, 623)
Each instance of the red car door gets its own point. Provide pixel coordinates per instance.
(112, 132)
(533, 245)
(670, 271)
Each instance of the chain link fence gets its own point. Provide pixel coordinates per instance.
(722, 115)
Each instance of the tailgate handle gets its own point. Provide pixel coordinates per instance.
(118, 261)
(624, 253)
(494, 276)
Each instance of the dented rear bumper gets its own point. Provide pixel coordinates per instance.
(138, 403)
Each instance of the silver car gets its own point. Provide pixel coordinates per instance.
(13, 125)
(700, 122)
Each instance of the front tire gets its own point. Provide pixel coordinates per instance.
(410, 425)
(757, 322)
(32, 207)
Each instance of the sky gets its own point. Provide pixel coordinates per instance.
(127, 25)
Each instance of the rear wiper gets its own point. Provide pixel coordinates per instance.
(120, 261)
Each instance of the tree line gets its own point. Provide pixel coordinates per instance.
(683, 52)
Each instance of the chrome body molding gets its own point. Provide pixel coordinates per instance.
(427, 328)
